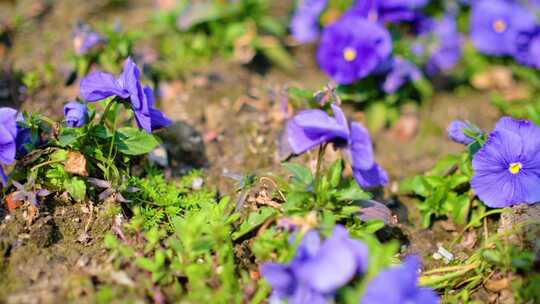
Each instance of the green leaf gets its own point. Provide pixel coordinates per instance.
(417, 185)
(58, 155)
(300, 173)
(444, 165)
(334, 173)
(76, 188)
(132, 141)
(373, 226)
(254, 220)
(352, 193)
(69, 136)
(101, 132)
(460, 209)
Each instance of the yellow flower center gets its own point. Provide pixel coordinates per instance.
(372, 16)
(499, 26)
(349, 54)
(514, 168)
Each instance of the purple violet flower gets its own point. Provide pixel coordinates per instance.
(397, 285)
(392, 11)
(8, 136)
(85, 39)
(304, 23)
(401, 72)
(507, 168)
(351, 48)
(456, 132)
(439, 43)
(99, 85)
(527, 51)
(319, 268)
(495, 24)
(311, 128)
(76, 114)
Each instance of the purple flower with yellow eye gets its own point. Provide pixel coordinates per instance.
(128, 87)
(319, 268)
(312, 128)
(398, 285)
(401, 72)
(85, 39)
(8, 137)
(305, 20)
(495, 25)
(75, 114)
(527, 50)
(352, 48)
(506, 170)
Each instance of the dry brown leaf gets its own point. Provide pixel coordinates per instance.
(497, 285)
(11, 203)
(31, 214)
(76, 164)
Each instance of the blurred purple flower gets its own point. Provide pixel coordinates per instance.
(527, 49)
(319, 268)
(75, 114)
(351, 48)
(99, 85)
(392, 11)
(507, 168)
(495, 24)
(85, 39)
(456, 132)
(438, 43)
(304, 23)
(311, 128)
(401, 72)
(397, 285)
(8, 136)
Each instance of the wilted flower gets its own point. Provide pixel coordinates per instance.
(398, 285)
(456, 132)
(401, 72)
(318, 269)
(28, 192)
(507, 168)
(108, 190)
(85, 39)
(75, 114)
(99, 85)
(527, 49)
(304, 22)
(351, 48)
(439, 42)
(8, 136)
(495, 24)
(311, 128)
(386, 10)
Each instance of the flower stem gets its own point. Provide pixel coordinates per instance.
(318, 175)
(106, 111)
